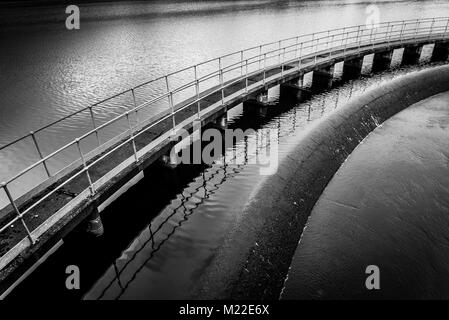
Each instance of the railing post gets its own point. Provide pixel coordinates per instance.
(300, 55)
(279, 49)
(260, 56)
(131, 133)
(313, 39)
(16, 209)
(135, 104)
(264, 66)
(221, 85)
(197, 85)
(40, 153)
(241, 63)
(197, 91)
(346, 43)
(447, 26)
(94, 125)
(431, 28)
(172, 108)
(170, 102)
(417, 28)
(402, 31)
(388, 34)
(296, 46)
(332, 46)
(359, 38)
(91, 186)
(282, 65)
(246, 76)
(220, 71)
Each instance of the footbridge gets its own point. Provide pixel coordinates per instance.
(96, 165)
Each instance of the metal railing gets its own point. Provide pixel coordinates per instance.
(162, 99)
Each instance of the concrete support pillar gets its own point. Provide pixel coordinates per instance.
(322, 78)
(382, 61)
(262, 96)
(440, 52)
(411, 55)
(256, 102)
(169, 160)
(94, 224)
(352, 69)
(292, 92)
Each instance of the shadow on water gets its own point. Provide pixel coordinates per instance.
(143, 220)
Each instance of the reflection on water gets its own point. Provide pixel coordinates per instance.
(387, 206)
(48, 72)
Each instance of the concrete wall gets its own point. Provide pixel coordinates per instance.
(254, 260)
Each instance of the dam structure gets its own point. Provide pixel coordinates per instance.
(104, 160)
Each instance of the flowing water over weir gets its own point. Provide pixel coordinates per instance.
(387, 206)
(186, 215)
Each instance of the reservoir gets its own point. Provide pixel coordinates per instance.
(162, 234)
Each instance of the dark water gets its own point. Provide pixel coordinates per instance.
(48, 72)
(176, 220)
(388, 205)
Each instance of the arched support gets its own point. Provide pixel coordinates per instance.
(352, 68)
(440, 52)
(382, 61)
(322, 78)
(411, 55)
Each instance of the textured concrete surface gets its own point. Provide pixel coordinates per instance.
(254, 260)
